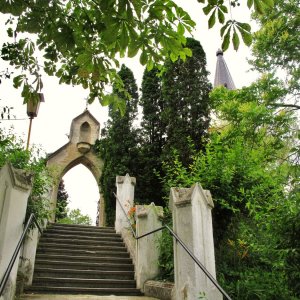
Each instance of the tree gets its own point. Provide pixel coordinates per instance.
(175, 113)
(75, 216)
(62, 202)
(118, 148)
(81, 40)
(185, 89)
(153, 137)
(276, 46)
(248, 167)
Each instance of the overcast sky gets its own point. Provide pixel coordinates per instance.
(63, 103)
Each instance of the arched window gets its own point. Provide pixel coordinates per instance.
(85, 132)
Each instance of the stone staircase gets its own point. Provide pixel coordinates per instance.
(77, 259)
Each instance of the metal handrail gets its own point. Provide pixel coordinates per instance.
(18, 247)
(183, 245)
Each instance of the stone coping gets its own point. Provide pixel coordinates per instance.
(162, 290)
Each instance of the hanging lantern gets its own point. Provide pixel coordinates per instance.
(33, 106)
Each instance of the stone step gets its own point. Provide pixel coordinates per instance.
(86, 237)
(83, 283)
(92, 291)
(81, 297)
(74, 259)
(80, 227)
(44, 263)
(79, 241)
(65, 231)
(84, 252)
(87, 274)
(43, 246)
(86, 258)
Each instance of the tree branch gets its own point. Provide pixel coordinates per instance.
(285, 105)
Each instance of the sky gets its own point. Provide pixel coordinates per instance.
(63, 103)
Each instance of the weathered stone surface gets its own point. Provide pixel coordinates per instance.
(125, 193)
(192, 222)
(160, 290)
(15, 187)
(148, 218)
(83, 134)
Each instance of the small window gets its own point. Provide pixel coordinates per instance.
(85, 132)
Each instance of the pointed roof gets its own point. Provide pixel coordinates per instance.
(222, 76)
(86, 112)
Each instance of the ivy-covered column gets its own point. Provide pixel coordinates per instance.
(192, 221)
(125, 193)
(148, 218)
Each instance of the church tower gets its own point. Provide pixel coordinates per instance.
(222, 75)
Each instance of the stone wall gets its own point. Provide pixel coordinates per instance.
(15, 187)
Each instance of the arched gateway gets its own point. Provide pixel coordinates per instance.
(83, 134)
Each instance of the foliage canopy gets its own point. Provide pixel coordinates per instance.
(81, 41)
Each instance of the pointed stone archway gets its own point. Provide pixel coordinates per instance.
(79, 150)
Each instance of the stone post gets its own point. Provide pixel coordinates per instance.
(192, 221)
(28, 254)
(148, 218)
(125, 193)
(15, 187)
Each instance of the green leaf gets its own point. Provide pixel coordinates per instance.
(212, 20)
(111, 33)
(144, 57)
(226, 40)
(107, 100)
(124, 38)
(247, 37)
(83, 58)
(224, 28)
(10, 32)
(173, 57)
(269, 3)
(235, 40)
(249, 3)
(188, 52)
(258, 6)
(180, 29)
(182, 55)
(221, 16)
(207, 9)
(133, 49)
(150, 65)
(224, 9)
(17, 81)
(244, 26)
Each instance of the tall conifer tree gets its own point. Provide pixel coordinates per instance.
(186, 98)
(175, 111)
(153, 131)
(118, 148)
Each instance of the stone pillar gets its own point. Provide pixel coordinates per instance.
(125, 193)
(192, 221)
(28, 254)
(148, 218)
(15, 187)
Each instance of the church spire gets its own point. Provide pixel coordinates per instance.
(222, 76)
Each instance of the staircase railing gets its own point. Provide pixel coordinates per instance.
(184, 246)
(15, 254)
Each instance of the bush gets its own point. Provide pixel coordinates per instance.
(12, 150)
